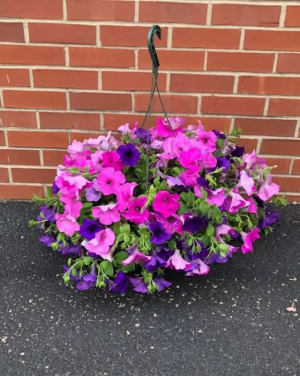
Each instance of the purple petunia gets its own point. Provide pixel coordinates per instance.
(159, 234)
(48, 214)
(120, 284)
(89, 228)
(47, 239)
(223, 163)
(238, 151)
(195, 224)
(143, 135)
(129, 154)
(269, 219)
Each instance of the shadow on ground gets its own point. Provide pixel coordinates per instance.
(231, 322)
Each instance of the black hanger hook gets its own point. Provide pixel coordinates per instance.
(155, 29)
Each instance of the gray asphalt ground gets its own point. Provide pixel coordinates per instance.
(231, 322)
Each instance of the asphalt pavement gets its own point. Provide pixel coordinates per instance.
(232, 322)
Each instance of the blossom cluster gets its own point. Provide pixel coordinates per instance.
(175, 197)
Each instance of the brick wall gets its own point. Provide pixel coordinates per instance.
(71, 69)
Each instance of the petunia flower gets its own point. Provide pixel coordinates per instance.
(120, 284)
(125, 195)
(135, 258)
(268, 220)
(47, 239)
(143, 135)
(112, 159)
(109, 180)
(166, 203)
(70, 249)
(207, 140)
(136, 211)
(176, 261)
(171, 224)
(248, 239)
(199, 268)
(55, 188)
(48, 214)
(88, 280)
(159, 234)
(216, 196)
(100, 244)
(268, 189)
(92, 193)
(107, 214)
(139, 284)
(89, 228)
(195, 224)
(129, 154)
(247, 183)
(162, 283)
(66, 223)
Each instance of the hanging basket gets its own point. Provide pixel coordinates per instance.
(170, 197)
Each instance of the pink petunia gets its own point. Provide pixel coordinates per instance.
(207, 140)
(190, 159)
(200, 269)
(253, 161)
(216, 197)
(136, 211)
(73, 207)
(169, 129)
(66, 223)
(268, 189)
(75, 147)
(247, 183)
(252, 206)
(109, 180)
(125, 195)
(101, 243)
(171, 224)
(107, 214)
(223, 230)
(248, 239)
(189, 177)
(136, 257)
(177, 262)
(112, 159)
(237, 202)
(166, 203)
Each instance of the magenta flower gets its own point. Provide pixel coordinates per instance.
(107, 214)
(109, 180)
(223, 230)
(216, 197)
(252, 206)
(177, 262)
(190, 159)
(207, 140)
(166, 203)
(247, 183)
(164, 129)
(248, 239)
(237, 202)
(268, 189)
(136, 211)
(101, 243)
(171, 224)
(189, 177)
(136, 257)
(112, 159)
(125, 195)
(73, 208)
(66, 223)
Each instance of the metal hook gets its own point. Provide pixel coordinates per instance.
(155, 29)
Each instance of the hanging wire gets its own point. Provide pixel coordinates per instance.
(155, 29)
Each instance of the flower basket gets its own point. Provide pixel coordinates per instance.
(170, 197)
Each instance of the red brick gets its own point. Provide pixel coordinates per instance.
(65, 78)
(296, 167)
(283, 165)
(284, 107)
(245, 15)
(26, 119)
(37, 139)
(130, 81)
(172, 103)
(240, 61)
(2, 138)
(31, 9)
(20, 157)
(129, 36)
(151, 11)
(34, 99)
(14, 77)
(32, 175)
(3, 175)
(267, 127)
(206, 38)
(249, 144)
(269, 85)
(11, 32)
(219, 123)
(53, 157)
(19, 192)
(174, 59)
(99, 10)
(292, 17)
(100, 101)
(292, 198)
(280, 147)
(232, 105)
(101, 57)
(272, 40)
(69, 120)
(62, 33)
(287, 184)
(288, 63)
(83, 135)
(194, 83)
(113, 121)
(31, 55)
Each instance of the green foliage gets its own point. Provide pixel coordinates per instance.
(279, 200)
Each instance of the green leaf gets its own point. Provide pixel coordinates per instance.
(210, 230)
(87, 260)
(107, 268)
(120, 256)
(236, 132)
(69, 261)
